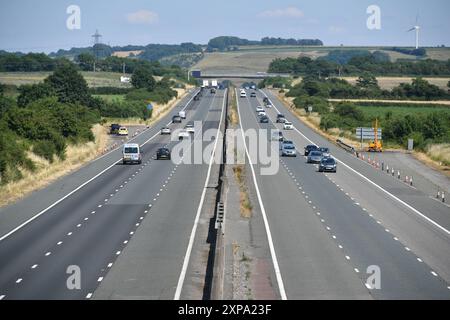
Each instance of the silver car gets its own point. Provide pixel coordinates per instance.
(288, 150)
(315, 157)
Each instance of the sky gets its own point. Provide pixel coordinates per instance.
(41, 25)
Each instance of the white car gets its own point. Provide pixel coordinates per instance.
(259, 109)
(243, 95)
(288, 126)
(183, 135)
(268, 105)
(262, 113)
(166, 130)
(182, 114)
(189, 128)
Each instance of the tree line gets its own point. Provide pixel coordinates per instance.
(226, 42)
(348, 63)
(46, 117)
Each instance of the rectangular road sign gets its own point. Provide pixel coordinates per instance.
(368, 133)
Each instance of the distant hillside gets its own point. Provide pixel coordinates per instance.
(151, 52)
(223, 43)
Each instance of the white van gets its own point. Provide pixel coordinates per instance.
(131, 153)
(182, 114)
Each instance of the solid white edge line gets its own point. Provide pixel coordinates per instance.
(197, 217)
(263, 211)
(371, 182)
(82, 185)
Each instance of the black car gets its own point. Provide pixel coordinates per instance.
(213, 90)
(266, 100)
(176, 119)
(114, 128)
(264, 119)
(163, 153)
(328, 165)
(196, 97)
(310, 148)
(281, 118)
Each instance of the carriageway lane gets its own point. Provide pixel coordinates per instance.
(151, 265)
(426, 239)
(311, 265)
(22, 210)
(363, 240)
(87, 229)
(432, 209)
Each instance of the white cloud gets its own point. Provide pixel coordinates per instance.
(289, 12)
(143, 17)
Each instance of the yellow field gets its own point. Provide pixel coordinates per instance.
(390, 82)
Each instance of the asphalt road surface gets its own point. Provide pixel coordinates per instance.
(332, 232)
(48, 232)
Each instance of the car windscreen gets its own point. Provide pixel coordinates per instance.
(315, 153)
(131, 150)
(328, 161)
(289, 147)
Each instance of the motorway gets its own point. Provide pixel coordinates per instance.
(131, 229)
(88, 218)
(328, 232)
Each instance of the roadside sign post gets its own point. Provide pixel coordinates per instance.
(310, 109)
(368, 134)
(410, 144)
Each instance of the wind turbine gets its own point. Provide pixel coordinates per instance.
(416, 28)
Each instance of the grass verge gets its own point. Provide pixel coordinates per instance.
(46, 172)
(437, 156)
(244, 199)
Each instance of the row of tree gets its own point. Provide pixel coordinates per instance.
(226, 42)
(151, 52)
(367, 87)
(355, 63)
(47, 116)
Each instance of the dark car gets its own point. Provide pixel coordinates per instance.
(315, 157)
(176, 119)
(213, 90)
(196, 97)
(328, 165)
(264, 119)
(310, 148)
(281, 118)
(266, 100)
(114, 128)
(163, 153)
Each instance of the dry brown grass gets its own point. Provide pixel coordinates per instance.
(244, 199)
(437, 155)
(46, 173)
(234, 116)
(76, 156)
(440, 153)
(390, 82)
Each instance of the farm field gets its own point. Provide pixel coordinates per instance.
(94, 79)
